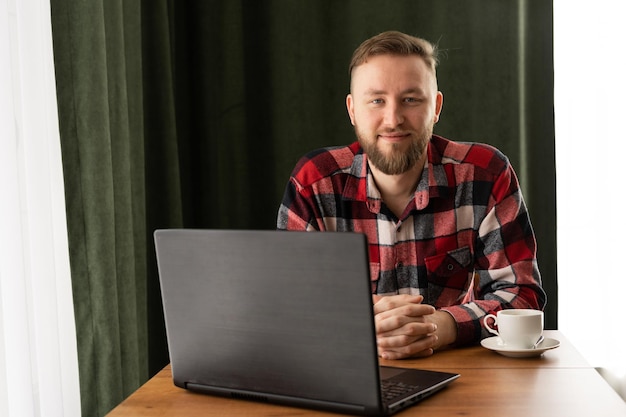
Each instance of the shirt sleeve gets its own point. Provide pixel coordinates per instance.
(506, 274)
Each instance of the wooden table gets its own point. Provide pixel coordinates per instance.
(559, 383)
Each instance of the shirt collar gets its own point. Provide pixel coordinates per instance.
(433, 182)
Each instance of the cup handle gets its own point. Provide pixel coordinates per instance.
(495, 322)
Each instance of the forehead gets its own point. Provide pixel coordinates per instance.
(391, 72)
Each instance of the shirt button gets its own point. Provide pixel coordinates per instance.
(399, 265)
(450, 267)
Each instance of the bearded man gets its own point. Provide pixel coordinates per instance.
(449, 236)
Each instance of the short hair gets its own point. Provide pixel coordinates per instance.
(395, 43)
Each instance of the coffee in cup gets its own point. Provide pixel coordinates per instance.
(517, 328)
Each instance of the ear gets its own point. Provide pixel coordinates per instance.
(350, 107)
(438, 105)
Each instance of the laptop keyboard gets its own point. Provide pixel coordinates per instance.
(394, 389)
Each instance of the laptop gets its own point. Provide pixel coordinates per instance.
(279, 317)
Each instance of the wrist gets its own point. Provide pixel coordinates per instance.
(446, 328)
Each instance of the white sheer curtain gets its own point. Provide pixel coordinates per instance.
(590, 111)
(38, 360)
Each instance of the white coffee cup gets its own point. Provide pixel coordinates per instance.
(517, 328)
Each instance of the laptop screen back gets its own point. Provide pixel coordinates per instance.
(282, 313)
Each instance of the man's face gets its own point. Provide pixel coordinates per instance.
(393, 105)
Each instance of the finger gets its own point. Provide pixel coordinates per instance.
(392, 355)
(409, 310)
(391, 301)
(406, 345)
(394, 301)
(390, 320)
(411, 329)
(397, 347)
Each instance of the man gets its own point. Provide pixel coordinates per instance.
(449, 236)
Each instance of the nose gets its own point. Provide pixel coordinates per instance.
(393, 116)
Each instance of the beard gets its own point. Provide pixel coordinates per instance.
(396, 161)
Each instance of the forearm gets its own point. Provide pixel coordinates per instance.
(468, 317)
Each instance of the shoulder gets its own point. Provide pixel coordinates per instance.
(479, 155)
(324, 163)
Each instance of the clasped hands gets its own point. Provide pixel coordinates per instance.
(407, 328)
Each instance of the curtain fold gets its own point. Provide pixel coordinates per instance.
(192, 114)
(96, 48)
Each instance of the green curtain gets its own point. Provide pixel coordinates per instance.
(193, 113)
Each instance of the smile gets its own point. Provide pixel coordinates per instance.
(395, 136)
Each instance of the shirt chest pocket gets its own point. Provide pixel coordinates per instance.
(449, 275)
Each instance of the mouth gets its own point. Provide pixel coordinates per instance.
(394, 137)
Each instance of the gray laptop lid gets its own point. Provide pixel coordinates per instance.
(271, 315)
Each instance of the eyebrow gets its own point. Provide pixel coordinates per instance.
(375, 92)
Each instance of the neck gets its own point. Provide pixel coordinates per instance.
(397, 190)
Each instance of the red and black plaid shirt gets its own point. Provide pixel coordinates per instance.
(465, 242)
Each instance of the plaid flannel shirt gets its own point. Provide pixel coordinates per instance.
(465, 242)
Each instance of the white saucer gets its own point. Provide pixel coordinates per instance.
(495, 344)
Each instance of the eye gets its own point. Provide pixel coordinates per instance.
(377, 101)
(413, 100)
